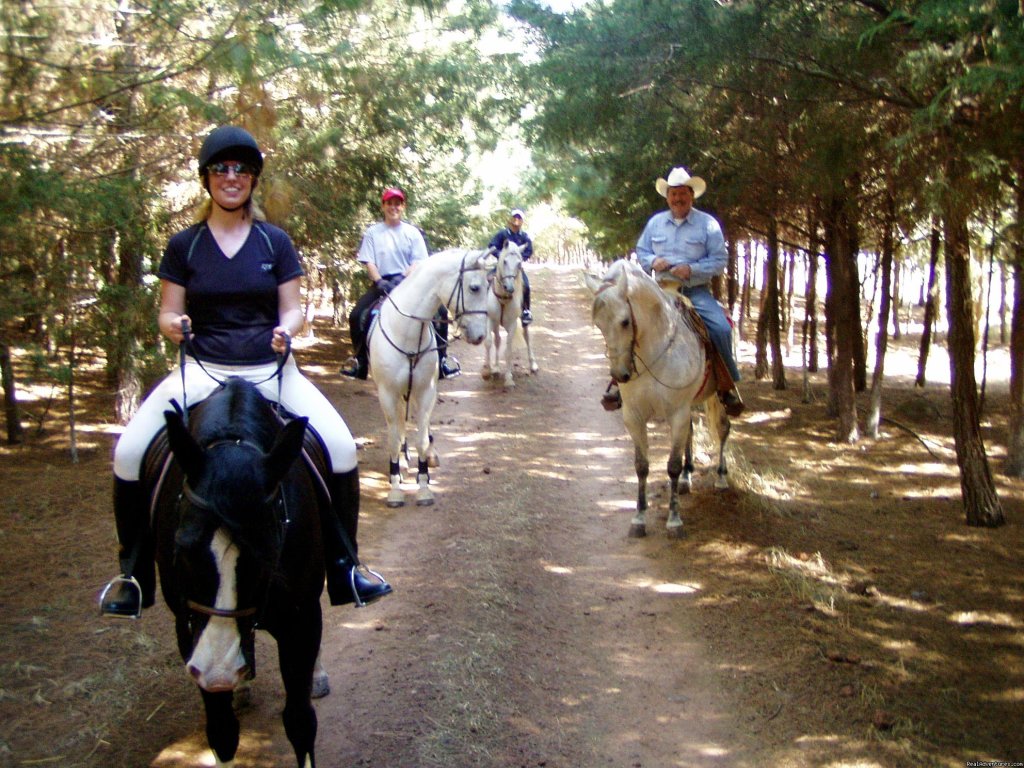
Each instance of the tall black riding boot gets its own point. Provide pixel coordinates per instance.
(346, 580)
(128, 594)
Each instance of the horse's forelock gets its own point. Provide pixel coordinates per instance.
(238, 500)
(237, 426)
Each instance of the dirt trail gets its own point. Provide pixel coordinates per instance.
(830, 610)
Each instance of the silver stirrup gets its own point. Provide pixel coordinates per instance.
(352, 581)
(131, 582)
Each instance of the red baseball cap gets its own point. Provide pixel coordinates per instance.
(392, 192)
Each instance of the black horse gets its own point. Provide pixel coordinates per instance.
(238, 547)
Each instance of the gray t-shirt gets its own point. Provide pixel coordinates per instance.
(392, 249)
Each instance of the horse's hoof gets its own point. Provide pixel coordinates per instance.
(396, 498)
(534, 368)
(721, 484)
(684, 489)
(425, 499)
(321, 686)
(485, 375)
(637, 531)
(433, 461)
(676, 532)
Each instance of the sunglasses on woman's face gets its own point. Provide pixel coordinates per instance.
(240, 169)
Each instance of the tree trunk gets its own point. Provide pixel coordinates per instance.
(1014, 466)
(930, 305)
(897, 289)
(733, 283)
(128, 247)
(811, 322)
(772, 308)
(12, 411)
(874, 416)
(981, 504)
(769, 285)
(841, 302)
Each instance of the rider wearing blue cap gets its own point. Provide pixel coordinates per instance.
(514, 232)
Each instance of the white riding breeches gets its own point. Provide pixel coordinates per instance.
(298, 395)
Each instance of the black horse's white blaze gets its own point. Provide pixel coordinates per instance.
(217, 663)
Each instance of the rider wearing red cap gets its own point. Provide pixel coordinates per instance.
(389, 250)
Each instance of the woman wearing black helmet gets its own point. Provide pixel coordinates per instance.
(235, 279)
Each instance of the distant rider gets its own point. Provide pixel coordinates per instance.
(514, 232)
(389, 250)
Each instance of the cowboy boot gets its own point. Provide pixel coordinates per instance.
(135, 589)
(346, 582)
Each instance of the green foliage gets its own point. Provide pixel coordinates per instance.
(103, 109)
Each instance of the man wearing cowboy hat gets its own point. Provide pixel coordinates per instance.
(689, 244)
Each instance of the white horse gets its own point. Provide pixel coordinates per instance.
(504, 310)
(660, 365)
(403, 351)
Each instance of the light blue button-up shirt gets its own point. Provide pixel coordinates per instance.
(697, 240)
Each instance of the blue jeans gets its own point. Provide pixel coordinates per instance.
(717, 322)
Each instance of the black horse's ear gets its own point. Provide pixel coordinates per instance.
(286, 450)
(184, 447)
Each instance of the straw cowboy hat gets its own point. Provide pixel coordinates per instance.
(680, 177)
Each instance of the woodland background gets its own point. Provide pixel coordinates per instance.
(859, 153)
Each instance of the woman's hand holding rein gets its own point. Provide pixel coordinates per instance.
(171, 324)
(281, 341)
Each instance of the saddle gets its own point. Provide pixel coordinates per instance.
(695, 322)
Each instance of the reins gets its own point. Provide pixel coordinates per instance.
(185, 351)
(283, 520)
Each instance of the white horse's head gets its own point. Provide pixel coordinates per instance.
(465, 292)
(510, 264)
(623, 292)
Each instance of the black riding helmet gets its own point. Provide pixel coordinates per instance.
(230, 140)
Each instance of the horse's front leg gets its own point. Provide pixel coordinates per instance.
(637, 429)
(510, 330)
(221, 726)
(396, 437)
(298, 649)
(485, 372)
(424, 447)
(682, 439)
